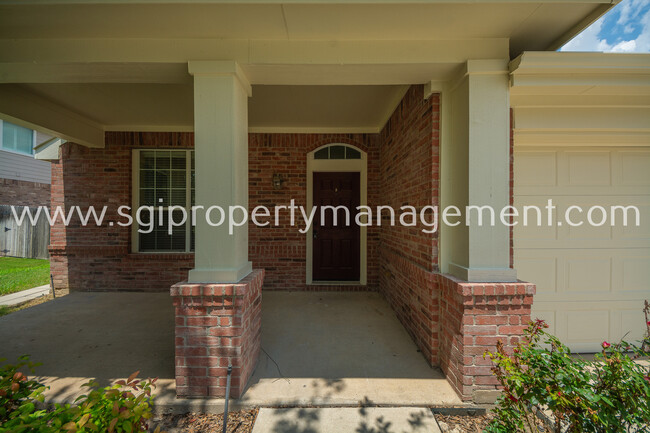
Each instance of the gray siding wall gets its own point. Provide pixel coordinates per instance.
(22, 167)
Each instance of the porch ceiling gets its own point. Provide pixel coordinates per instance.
(75, 68)
(142, 106)
(530, 24)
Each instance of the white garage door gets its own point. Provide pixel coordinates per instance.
(591, 281)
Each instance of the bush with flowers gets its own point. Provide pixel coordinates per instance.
(540, 376)
(124, 407)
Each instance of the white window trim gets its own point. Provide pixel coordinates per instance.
(15, 151)
(333, 166)
(135, 200)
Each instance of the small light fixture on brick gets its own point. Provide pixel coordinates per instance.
(277, 181)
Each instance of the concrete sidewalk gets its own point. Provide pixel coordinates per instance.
(25, 295)
(346, 420)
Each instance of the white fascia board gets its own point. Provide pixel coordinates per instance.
(108, 2)
(535, 76)
(49, 150)
(536, 62)
(29, 110)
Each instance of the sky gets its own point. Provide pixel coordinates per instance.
(624, 29)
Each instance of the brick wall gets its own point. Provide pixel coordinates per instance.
(100, 258)
(409, 176)
(281, 250)
(473, 316)
(217, 326)
(22, 193)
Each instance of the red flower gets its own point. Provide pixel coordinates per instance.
(648, 322)
(605, 345)
(513, 398)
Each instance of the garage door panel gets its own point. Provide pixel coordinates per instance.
(537, 168)
(588, 327)
(585, 168)
(589, 275)
(635, 274)
(585, 235)
(530, 230)
(542, 270)
(582, 171)
(583, 326)
(629, 327)
(591, 280)
(586, 232)
(634, 168)
(632, 232)
(565, 275)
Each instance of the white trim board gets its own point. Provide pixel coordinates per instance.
(334, 166)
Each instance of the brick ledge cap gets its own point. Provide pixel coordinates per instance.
(252, 281)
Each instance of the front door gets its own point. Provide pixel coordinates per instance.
(336, 248)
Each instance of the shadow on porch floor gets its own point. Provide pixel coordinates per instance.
(320, 348)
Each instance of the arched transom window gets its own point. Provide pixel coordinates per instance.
(337, 151)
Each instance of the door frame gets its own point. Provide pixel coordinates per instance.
(333, 166)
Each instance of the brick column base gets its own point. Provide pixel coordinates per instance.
(473, 316)
(217, 325)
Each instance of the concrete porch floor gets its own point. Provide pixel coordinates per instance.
(319, 348)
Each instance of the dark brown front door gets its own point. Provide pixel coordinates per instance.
(336, 248)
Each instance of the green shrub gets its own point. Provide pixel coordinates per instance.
(611, 394)
(17, 392)
(124, 407)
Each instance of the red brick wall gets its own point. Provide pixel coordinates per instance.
(409, 176)
(473, 316)
(22, 193)
(100, 258)
(281, 250)
(217, 325)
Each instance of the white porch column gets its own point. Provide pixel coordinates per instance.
(221, 92)
(476, 171)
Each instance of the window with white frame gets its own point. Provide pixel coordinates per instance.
(337, 151)
(16, 139)
(164, 178)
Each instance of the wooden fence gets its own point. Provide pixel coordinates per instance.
(25, 240)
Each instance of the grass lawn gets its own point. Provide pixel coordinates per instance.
(20, 274)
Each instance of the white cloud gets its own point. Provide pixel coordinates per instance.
(643, 40)
(588, 40)
(632, 13)
(630, 9)
(624, 47)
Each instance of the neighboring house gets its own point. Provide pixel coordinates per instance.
(371, 103)
(24, 180)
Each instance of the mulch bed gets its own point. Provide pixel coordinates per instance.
(240, 421)
(463, 423)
